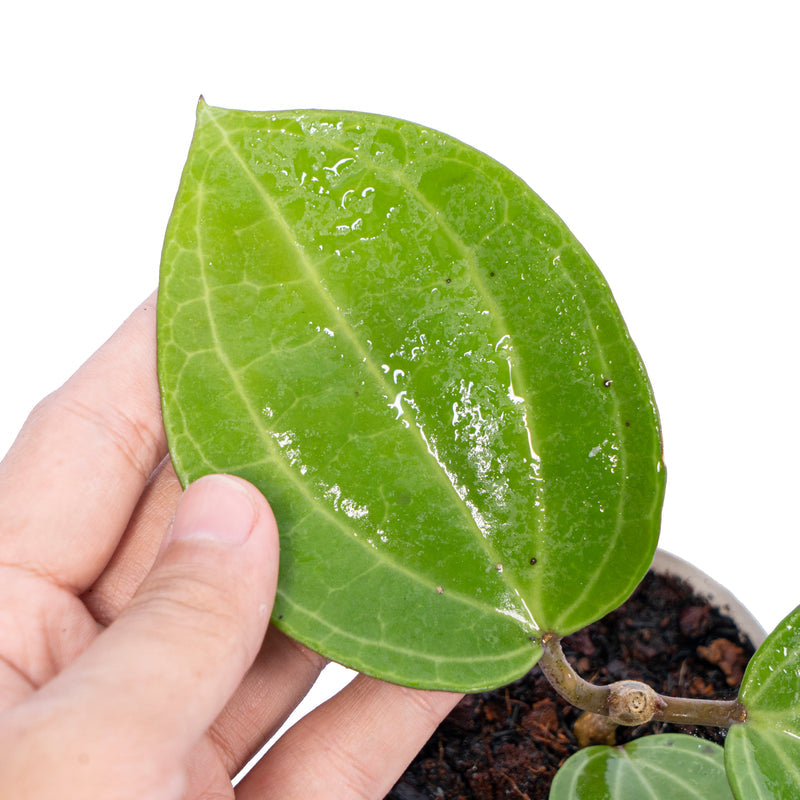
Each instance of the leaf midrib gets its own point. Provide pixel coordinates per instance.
(365, 358)
(300, 486)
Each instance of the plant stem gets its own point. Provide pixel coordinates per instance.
(632, 702)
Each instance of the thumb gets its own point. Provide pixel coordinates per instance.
(129, 710)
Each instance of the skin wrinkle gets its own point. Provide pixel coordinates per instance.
(231, 743)
(8, 666)
(356, 775)
(37, 572)
(136, 440)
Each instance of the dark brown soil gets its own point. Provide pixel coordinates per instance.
(508, 743)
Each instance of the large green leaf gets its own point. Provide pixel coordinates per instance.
(663, 767)
(762, 754)
(409, 353)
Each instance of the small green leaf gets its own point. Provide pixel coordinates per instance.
(663, 767)
(407, 351)
(762, 754)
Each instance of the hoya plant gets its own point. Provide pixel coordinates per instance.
(409, 353)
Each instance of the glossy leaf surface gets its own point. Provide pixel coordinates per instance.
(409, 353)
(673, 766)
(763, 754)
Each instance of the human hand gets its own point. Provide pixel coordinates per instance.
(133, 662)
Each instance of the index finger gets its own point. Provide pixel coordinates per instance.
(72, 478)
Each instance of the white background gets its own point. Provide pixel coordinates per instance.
(665, 134)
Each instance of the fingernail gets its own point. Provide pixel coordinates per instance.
(215, 507)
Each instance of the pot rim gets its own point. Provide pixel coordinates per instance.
(720, 597)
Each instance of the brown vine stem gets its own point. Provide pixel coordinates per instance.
(632, 702)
